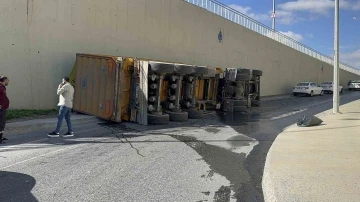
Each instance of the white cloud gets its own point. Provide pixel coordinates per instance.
(351, 58)
(320, 7)
(310, 35)
(288, 13)
(295, 36)
(285, 17)
(247, 11)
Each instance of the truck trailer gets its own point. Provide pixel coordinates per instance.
(149, 91)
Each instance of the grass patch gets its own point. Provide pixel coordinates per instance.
(24, 113)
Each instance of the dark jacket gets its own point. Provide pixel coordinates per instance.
(4, 100)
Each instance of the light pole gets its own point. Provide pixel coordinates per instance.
(336, 98)
(273, 16)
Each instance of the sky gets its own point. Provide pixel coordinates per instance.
(310, 22)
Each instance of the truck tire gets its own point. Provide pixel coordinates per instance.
(161, 68)
(198, 71)
(177, 116)
(240, 102)
(257, 72)
(243, 71)
(195, 114)
(240, 109)
(255, 103)
(243, 77)
(156, 119)
(183, 69)
(247, 71)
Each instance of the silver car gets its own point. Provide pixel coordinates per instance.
(354, 85)
(328, 87)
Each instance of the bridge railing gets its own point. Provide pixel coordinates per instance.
(243, 20)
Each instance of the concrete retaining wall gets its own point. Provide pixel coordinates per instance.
(39, 40)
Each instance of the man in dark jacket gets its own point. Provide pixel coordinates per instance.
(4, 105)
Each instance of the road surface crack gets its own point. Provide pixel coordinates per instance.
(116, 133)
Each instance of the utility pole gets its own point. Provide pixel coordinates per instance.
(273, 16)
(336, 98)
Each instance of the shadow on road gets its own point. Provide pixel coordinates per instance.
(16, 187)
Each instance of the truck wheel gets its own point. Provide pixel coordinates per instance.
(257, 72)
(247, 71)
(243, 77)
(183, 69)
(198, 71)
(243, 71)
(177, 116)
(240, 102)
(162, 68)
(255, 103)
(195, 114)
(156, 119)
(240, 109)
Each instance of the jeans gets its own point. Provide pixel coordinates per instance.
(2, 119)
(64, 112)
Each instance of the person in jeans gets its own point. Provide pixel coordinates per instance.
(4, 105)
(66, 96)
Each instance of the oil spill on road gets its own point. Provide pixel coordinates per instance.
(225, 163)
(212, 130)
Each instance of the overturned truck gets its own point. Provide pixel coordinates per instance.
(156, 92)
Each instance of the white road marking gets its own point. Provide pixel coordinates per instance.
(36, 157)
(288, 114)
(35, 141)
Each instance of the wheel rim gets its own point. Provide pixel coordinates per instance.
(322, 92)
(312, 93)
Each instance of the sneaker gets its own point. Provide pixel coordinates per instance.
(68, 134)
(53, 134)
(4, 138)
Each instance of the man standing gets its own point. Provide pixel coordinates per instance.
(66, 96)
(4, 105)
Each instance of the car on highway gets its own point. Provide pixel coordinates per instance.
(354, 85)
(308, 88)
(328, 87)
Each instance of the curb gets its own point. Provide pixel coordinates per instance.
(13, 128)
(270, 182)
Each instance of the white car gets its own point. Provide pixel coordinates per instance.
(354, 85)
(308, 88)
(328, 87)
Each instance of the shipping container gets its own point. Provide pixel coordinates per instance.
(102, 86)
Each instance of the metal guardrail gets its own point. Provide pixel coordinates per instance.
(245, 21)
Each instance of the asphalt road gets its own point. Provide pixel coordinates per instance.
(218, 158)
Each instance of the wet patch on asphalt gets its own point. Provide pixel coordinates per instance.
(222, 161)
(223, 194)
(239, 141)
(211, 130)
